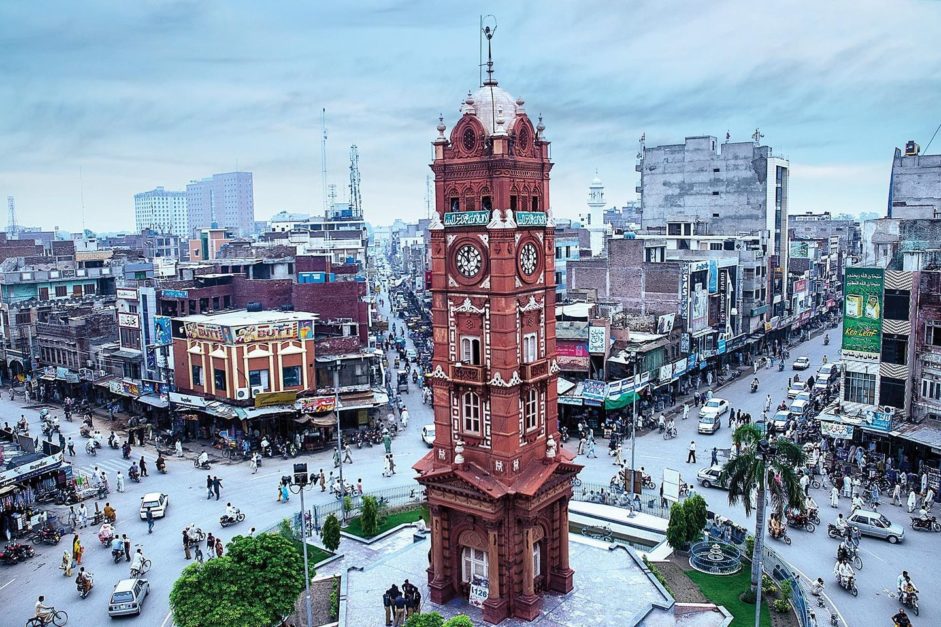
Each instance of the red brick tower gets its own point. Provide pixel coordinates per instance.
(498, 483)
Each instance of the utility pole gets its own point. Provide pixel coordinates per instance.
(323, 157)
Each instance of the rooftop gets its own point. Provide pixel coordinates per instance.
(243, 317)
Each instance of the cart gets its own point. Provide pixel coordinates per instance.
(402, 385)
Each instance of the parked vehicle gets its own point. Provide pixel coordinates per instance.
(709, 477)
(128, 597)
(876, 525)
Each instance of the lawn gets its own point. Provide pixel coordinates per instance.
(724, 590)
(392, 520)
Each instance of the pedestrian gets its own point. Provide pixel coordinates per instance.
(347, 454)
(805, 483)
(73, 517)
(789, 382)
(591, 448)
(399, 605)
(924, 482)
(386, 469)
(77, 549)
(404, 418)
(336, 458)
(581, 446)
(715, 456)
(179, 450)
(127, 547)
(834, 497)
(911, 501)
(210, 545)
(359, 487)
(897, 494)
(150, 520)
(82, 515)
(251, 532)
(685, 411)
(387, 605)
(216, 486)
(285, 495)
(253, 463)
(208, 487)
(323, 482)
(617, 456)
(143, 466)
(391, 463)
(119, 482)
(929, 499)
(218, 547)
(387, 441)
(70, 445)
(186, 544)
(691, 457)
(66, 566)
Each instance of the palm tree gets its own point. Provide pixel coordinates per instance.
(763, 467)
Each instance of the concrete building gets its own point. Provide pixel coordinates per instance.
(163, 211)
(207, 243)
(568, 245)
(624, 218)
(285, 222)
(915, 187)
(593, 220)
(224, 201)
(732, 188)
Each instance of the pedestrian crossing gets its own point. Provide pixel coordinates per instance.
(110, 466)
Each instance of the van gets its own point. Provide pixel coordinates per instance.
(829, 372)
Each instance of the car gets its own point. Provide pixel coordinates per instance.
(157, 502)
(821, 388)
(779, 421)
(428, 435)
(709, 423)
(876, 525)
(411, 355)
(709, 477)
(829, 372)
(796, 388)
(714, 407)
(801, 409)
(128, 596)
(801, 363)
(805, 396)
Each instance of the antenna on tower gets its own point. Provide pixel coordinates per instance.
(488, 26)
(12, 229)
(356, 197)
(428, 196)
(81, 191)
(323, 157)
(757, 135)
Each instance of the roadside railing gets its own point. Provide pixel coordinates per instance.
(390, 499)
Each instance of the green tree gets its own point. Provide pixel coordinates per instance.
(768, 470)
(460, 620)
(677, 526)
(425, 619)
(369, 516)
(696, 514)
(255, 583)
(331, 533)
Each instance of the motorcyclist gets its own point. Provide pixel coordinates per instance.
(113, 440)
(909, 591)
(923, 514)
(840, 524)
(117, 546)
(775, 527)
(754, 383)
(844, 551)
(230, 511)
(265, 445)
(671, 426)
(133, 472)
(110, 514)
(844, 573)
(84, 580)
(105, 532)
(816, 588)
(161, 463)
(900, 619)
(203, 459)
(90, 447)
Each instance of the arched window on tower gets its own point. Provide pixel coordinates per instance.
(531, 408)
(471, 412)
(535, 203)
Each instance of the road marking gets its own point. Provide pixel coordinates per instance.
(874, 555)
(7, 583)
(169, 616)
(270, 474)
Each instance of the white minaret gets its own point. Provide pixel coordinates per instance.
(596, 225)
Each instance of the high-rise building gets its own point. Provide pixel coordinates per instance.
(915, 188)
(222, 201)
(498, 483)
(731, 188)
(163, 211)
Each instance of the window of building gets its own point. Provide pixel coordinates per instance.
(197, 374)
(470, 350)
(473, 564)
(656, 254)
(258, 378)
(715, 215)
(933, 333)
(715, 193)
(558, 252)
(455, 204)
(90, 288)
(558, 278)
(76, 290)
(291, 376)
(892, 392)
(674, 228)
(61, 291)
(529, 348)
(535, 203)
(471, 412)
(513, 201)
(860, 388)
(486, 204)
(532, 409)
(537, 559)
(895, 304)
(931, 389)
(715, 245)
(219, 379)
(895, 349)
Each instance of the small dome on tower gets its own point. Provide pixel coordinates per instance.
(491, 103)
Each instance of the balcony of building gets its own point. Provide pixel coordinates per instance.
(535, 371)
(467, 374)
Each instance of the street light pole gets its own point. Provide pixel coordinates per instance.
(633, 422)
(336, 409)
(300, 472)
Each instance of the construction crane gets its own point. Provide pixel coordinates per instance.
(356, 197)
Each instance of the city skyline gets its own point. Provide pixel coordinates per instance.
(149, 96)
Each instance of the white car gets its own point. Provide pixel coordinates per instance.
(428, 435)
(157, 502)
(780, 420)
(796, 388)
(801, 363)
(709, 477)
(714, 407)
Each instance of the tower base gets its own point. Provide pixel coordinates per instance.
(562, 581)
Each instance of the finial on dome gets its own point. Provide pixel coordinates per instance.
(488, 29)
(441, 126)
(470, 98)
(540, 127)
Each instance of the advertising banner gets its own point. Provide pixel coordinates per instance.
(597, 340)
(316, 404)
(187, 399)
(174, 293)
(202, 331)
(125, 293)
(305, 330)
(162, 334)
(267, 399)
(665, 324)
(593, 390)
(799, 250)
(800, 285)
(128, 320)
(572, 349)
(862, 310)
(684, 343)
(713, 276)
(266, 332)
(723, 296)
(666, 373)
(836, 430)
(699, 309)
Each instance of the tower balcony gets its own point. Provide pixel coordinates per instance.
(536, 370)
(466, 373)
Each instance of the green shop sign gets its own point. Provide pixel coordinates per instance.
(467, 218)
(862, 310)
(530, 218)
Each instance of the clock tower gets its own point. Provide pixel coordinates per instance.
(497, 480)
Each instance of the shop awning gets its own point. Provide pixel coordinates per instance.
(127, 353)
(563, 385)
(154, 401)
(327, 420)
(924, 434)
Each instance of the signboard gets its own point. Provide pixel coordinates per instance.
(267, 399)
(671, 484)
(665, 324)
(530, 218)
(799, 250)
(684, 295)
(699, 309)
(203, 331)
(126, 293)
(174, 293)
(187, 399)
(879, 421)
(724, 296)
(569, 400)
(713, 276)
(128, 320)
(836, 430)
(479, 591)
(593, 390)
(597, 340)
(264, 332)
(684, 343)
(572, 349)
(666, 372)
(862, 310)
(162, 331)
(721, 346)
(800, 285)
(305, 330)
(317, 404)
(42, 465)
(679, 366)
(131, 388)
(467, 218)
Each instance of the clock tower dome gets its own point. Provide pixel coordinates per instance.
(497, 479)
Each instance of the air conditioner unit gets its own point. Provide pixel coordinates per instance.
(257, 389)
(241, 394)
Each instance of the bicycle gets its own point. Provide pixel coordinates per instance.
(144, 568)
(56, 617)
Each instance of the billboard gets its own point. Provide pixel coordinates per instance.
(665, 323)
(799, 250)
(128, 320)
(597, 340)
(699, 309)
(162, 334)
(862, 310)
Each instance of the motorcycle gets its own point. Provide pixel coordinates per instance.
(786, 539)
(134, 474)
(83, 590)
(826, 340)
(852, 554)
(754, 387)
(46, 535)
(15, 552)
(849, 585)
(669, 434)
(206, 466)
(781, 366)
(113, 442)
(801, 521)
(931, 524)
(225, 521)
(909, 600)
(117, 555)
(90, 448)
(834, 532)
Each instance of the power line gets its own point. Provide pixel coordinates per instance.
(932, 137)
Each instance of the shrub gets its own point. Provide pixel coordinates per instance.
(369, 516)
(781, 606)
(785, 589)
(335, 599)
(695, 509)
(347, 506)
(747, 597)
(767, 585)
(749, 546)
(331, 533)
(426, 619)
(459, 621)
(676, 527)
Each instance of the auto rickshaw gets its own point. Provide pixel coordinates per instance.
(402, 385)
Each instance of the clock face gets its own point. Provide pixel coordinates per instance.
(529, 259)
(468, 261)
(469, 139)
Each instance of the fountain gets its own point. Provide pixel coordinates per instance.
(715, 558)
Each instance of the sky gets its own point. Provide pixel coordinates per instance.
(102, 100)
